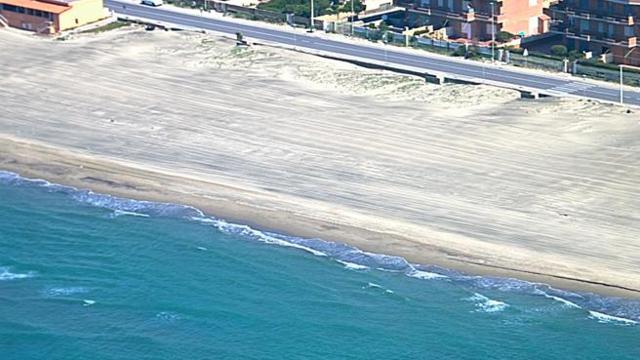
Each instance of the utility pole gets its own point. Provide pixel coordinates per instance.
(622, 67)
(493, 33)
(621, 85)
(312, 24)
(352, 15)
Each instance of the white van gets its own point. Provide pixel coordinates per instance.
(152, 2)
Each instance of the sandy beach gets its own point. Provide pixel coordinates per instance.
(467, 177)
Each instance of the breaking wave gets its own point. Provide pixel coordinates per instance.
(6, 274)
(485, 304)
(600, 308)
(65, 291)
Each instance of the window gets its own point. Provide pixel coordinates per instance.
(584, 25)
(533, 25)
(466, 28)
(628, 31)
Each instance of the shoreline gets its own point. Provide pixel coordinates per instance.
(268, 210)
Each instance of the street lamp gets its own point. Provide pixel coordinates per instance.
(622, 66)
(493, 33)
(312, 25)
(352, 17)
(621, 85)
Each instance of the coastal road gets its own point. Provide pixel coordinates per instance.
(429, 63)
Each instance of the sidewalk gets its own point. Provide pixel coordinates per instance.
(363, 42)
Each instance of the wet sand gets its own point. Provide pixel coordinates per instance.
(466, 177)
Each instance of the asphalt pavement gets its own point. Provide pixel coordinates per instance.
(429, 63)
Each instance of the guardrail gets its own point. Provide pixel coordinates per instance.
(533, 61)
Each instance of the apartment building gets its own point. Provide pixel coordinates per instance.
(478, 19)
(602, 27)
(51, 16)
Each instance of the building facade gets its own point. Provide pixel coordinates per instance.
(51, 16)
(602, 27)
(479, 19)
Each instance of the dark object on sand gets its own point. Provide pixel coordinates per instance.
(240, 41)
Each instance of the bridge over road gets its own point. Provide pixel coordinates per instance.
(391, 57)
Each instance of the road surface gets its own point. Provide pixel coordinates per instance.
(512, 78)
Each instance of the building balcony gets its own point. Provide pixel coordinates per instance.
(583, 15)
(461, 16)
(627, 21)
(628, 42)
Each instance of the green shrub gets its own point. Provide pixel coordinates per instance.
(470, 52)
(575, 54)
(559, 50)
(504, 36)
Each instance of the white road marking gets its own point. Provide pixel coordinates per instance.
(352, 50)
(572, 87)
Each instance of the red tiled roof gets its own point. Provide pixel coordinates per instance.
(38, 5)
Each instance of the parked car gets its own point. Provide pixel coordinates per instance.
(152, 2)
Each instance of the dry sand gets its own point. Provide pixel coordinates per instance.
(467, 177)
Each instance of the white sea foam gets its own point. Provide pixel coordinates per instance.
(609, 319)
(117, 213)
(247, 231)
(87, 302)
(201, 248)
(351, 257)
(425, 275)
(65, 291)
(352, 266)
(486, 304)
(167, 316)
(6, 275)
(565, 302)
(372, 285)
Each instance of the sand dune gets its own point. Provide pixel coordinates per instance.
(455, 175)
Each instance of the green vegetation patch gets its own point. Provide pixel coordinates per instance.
(303, 8)
(110, 26)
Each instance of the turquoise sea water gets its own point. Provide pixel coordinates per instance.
(88, 276)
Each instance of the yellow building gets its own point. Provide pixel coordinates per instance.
(51, 16)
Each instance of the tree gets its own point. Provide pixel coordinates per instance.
(297, 7)
(559, 50)
(504, 36)
(413, 40)
(389, 37)
(384, 27)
